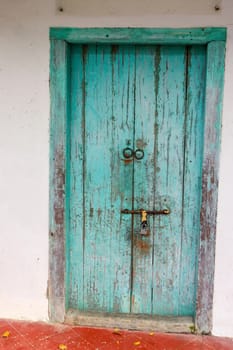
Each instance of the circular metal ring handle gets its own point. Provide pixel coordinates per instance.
(128, 152)
(139, 154)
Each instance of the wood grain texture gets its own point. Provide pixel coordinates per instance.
(139, 35)
(74, 190)
(123, 69)
(97, 187)
(212, 133)
(58, 125)
(169, 155)
(144, 139)
(136, 322)
(134, 95)
(60, 243)
(193, 151)
(106, 180)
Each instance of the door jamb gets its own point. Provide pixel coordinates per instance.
(60, 39)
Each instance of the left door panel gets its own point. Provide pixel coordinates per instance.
(100, 183)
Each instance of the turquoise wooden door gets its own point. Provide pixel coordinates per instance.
(147, 98)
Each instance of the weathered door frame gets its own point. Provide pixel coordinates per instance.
(61, 38)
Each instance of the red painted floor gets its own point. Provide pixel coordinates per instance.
(18, 335)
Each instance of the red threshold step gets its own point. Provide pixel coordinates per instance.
(22, 335)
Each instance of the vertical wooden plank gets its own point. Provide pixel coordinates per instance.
(58, 124)
(107, 243)
(74, 193)
(97, 186)
(144, 171)
(96, 178)
(123, 65)
(170, 122)
(212, 132)
(193, 151)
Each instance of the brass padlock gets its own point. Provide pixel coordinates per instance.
(144, 225)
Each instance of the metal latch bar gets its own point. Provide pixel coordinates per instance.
(148, 212)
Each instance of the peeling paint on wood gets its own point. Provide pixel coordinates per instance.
(58, 86)
(212, 132)
(139, 35)
(140, 322)
(61, 272)
(110, 263)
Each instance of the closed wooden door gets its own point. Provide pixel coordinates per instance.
(136, 137)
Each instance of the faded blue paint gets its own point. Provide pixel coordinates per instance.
(169, 154)
(194, 138)
(139, 35)
(152, 97)
(212, 131)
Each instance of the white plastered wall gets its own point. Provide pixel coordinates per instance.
(24, 138)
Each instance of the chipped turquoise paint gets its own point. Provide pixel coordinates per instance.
(103, 125)
(144, 138)
(60, 242)
(212, 131)
(58, 124)
(139, 35)
(74, 191)
(147, 97)
(193, 157)
(170, 124)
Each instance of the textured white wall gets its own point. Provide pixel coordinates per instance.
(24, 139)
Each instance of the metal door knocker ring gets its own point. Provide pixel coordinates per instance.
(128, 152)
(139, 154)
